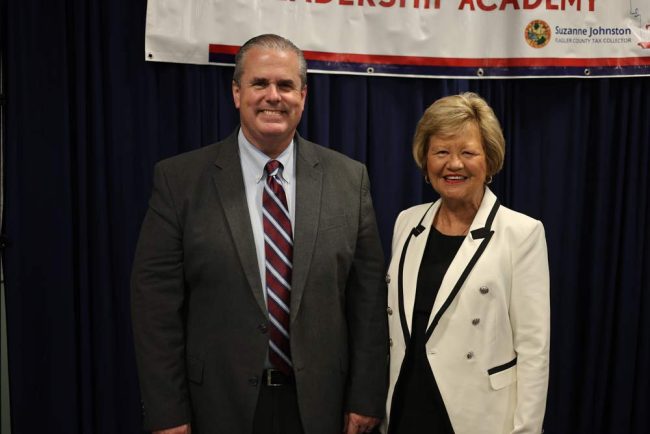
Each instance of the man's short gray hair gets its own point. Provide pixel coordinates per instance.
(274, 42)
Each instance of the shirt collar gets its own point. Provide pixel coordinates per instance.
(256, 160)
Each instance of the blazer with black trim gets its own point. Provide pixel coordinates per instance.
(489, 329)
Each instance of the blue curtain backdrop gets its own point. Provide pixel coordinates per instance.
(87, 118)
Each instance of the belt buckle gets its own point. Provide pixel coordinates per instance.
(269, 377)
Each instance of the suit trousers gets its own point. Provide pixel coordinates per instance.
(277, 410)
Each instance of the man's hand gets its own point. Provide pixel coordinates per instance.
(354, 423)
(183, 429)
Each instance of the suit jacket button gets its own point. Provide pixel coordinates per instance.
(262, 328)
(469, 355)
(484, 290)
(387, 278)
(389, 310)
(253, 381)
(475, 321)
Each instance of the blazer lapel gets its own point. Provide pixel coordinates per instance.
(309, 184)
(468, 254)
(228, 180)
(411, 266)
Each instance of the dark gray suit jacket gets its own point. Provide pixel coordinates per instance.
(199, 315)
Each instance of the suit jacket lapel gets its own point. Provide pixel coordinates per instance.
(309, 184)
(228, 180)
(469, 252)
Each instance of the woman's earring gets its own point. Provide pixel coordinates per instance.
(488, 180)
(426, 179)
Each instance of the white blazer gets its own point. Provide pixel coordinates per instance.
(489, 330)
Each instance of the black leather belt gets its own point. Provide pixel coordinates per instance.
(274, 378)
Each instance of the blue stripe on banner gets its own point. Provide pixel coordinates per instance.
(473, 72)
(221, 58)
(443, 71)
(465, 72)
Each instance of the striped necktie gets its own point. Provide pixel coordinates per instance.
(278, 251)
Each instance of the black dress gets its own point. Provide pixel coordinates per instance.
(417, 406)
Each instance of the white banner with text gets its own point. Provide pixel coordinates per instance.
(423, 38)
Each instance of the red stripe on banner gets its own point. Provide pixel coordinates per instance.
(457, 62)
(224, 49)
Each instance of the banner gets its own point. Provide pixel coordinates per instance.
(432, 38)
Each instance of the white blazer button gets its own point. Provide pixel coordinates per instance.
(470, 355)
(387, 278)
(475, 321)
(484, 290)
(390, 342)
(389, 310)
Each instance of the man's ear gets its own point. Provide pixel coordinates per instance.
(235, 94)
(303, 94)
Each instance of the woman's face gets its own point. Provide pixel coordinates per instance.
(457, 167)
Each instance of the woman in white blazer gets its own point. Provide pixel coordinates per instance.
(468, 298)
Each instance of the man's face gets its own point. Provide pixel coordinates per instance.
(270, 98)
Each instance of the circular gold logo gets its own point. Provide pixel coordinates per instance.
(537, 33)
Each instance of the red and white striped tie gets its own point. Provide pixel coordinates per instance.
(278, 250)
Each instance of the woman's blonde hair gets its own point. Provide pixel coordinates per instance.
(448, 117)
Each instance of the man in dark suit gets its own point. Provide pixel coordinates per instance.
(258, 297)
